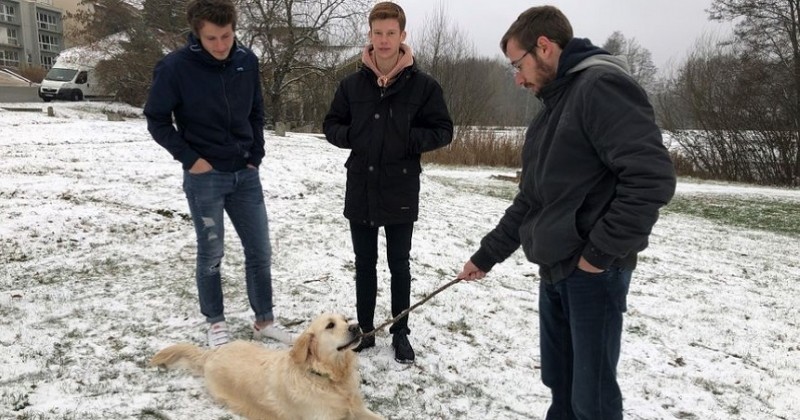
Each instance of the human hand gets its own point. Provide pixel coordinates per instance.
(584, 265)
(471, 272)
(200, 166)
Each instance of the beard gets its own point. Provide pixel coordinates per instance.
(545, 74)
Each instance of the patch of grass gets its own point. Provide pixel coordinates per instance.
(483, 147)
(763, 214)
(460, 327)
(638, 329)
(18, 401)
(708, 385)
(13, 251)
(505, 191)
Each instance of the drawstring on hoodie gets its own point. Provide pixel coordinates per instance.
(406, 59)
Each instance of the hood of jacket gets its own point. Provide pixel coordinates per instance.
(406, 59)
(579, 54)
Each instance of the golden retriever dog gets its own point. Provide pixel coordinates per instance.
(312, 380)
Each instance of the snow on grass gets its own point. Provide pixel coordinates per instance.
(96, 275)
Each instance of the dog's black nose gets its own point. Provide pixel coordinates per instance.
(354, 328)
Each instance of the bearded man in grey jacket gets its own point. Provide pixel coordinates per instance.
(595, 173)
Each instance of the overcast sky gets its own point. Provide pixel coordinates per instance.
(668, 28)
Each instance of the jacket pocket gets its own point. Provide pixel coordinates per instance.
(399, 190)
(355, 198)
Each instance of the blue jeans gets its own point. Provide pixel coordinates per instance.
(398, 249)
(580, 319)
(240, 195)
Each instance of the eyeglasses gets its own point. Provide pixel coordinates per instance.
(516, 65)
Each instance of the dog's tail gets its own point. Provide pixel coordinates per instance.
(181, 356)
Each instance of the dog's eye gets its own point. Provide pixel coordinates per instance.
(330, 325)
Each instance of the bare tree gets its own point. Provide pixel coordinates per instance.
(297, 40)
(743, 133)
(769, 34)
(166, 15)
(129, 72)
(639, 59)
(98, 19)
(131, 40)
(771, 30)
(444, 51)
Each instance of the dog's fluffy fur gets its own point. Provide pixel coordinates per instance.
(313, 380)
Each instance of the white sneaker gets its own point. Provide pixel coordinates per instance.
(273, 332)
(218, 334)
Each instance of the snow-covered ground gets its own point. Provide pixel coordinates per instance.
(96, 275)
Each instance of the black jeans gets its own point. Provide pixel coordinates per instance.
(398, 247)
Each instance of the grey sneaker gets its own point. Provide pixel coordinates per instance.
(218, 334)
(273, 332)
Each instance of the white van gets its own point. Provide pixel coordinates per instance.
(70, 81)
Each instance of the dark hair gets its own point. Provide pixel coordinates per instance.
(218, 12)
(535, 22)
(388, 10)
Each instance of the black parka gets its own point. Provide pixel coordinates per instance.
(386, 130)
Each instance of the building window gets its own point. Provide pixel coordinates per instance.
(47, 21)
(10, 37)
(9, 58)
(7, 13)
(49, 43)
(47, 61)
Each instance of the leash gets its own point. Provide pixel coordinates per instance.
(402, 314)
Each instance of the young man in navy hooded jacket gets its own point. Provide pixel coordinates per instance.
(212, 88)
(387, 114)
(594, 174)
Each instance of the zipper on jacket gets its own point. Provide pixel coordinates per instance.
(383, 91)
(227, 103)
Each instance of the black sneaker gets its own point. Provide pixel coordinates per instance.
(403, 353)
(366, 342)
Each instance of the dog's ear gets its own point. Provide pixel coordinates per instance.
(302, 348)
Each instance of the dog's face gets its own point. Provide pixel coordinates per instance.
(333, 331)
(318, 346)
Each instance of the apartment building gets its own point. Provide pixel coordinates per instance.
(31, 33)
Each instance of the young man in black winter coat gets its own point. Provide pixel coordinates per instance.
(213, 89)
(594, 174)
(387, 114)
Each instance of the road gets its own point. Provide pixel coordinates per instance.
(19, 94)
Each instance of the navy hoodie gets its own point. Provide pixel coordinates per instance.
(218, 107)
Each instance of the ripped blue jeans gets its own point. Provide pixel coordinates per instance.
(239, 194)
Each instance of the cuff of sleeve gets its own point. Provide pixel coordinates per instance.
(187, 159)
(596, 257)
(483, 260)
(344, 136)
